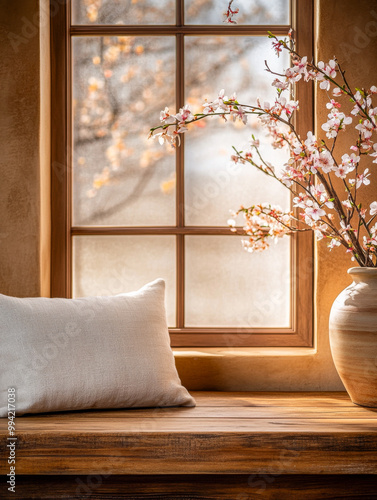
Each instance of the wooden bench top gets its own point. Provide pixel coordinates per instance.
(227, 433)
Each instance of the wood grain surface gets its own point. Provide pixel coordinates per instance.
(227, 433)
(213, 487)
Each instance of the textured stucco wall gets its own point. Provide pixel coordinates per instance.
(20, 178)
(347, 29)
(24, 139)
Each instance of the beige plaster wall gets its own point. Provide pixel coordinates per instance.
(342, 29)
(24, 152)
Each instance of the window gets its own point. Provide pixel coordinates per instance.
(125, 211)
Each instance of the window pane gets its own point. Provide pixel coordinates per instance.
(119, 176)
(108, 265)
(251, 11)
(123, 11)
(227, 286)
(213, 184)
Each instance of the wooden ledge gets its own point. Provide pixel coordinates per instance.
(227, 433)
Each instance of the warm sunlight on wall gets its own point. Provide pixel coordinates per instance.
(19, 132)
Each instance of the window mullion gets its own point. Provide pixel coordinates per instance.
(180, 190)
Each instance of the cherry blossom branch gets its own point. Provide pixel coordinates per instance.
(308, 172)
(270, 172)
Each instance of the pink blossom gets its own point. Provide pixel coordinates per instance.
(350, 161)
(374, 155)
(320, 231)
(164, 136)
(285, 179)
(324, 161)
(341, 171)
(300, 201)
(290, 107)
(324, 85)
(365, 129)
(363, 178)
(292, 75)
(217, 105)
(315, 212)
(332, 104)
(373, 208)
(320, 193)
(336, 122)
(237, 112)
(334, 243)
(166, 117)
(301, 66)
(279, 84)
(347, 204)
(328, 203)
(328, 69)
(358, 97)
(311, 141)
(184, 114)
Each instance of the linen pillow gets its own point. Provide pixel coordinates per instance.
(93, 352)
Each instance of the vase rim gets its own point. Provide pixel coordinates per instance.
(362, 270)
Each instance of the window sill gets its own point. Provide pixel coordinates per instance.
(232, 352)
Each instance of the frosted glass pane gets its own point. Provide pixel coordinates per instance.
(119, 176)
(227, 286)
(123, 11)
(250, 11)
(108, 265)
(214, 185)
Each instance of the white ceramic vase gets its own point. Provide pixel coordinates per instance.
(353, 336)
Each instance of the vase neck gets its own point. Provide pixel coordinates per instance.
(364, 275)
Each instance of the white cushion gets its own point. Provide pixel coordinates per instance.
(93, 352)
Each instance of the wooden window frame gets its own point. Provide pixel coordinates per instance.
(300, 333)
